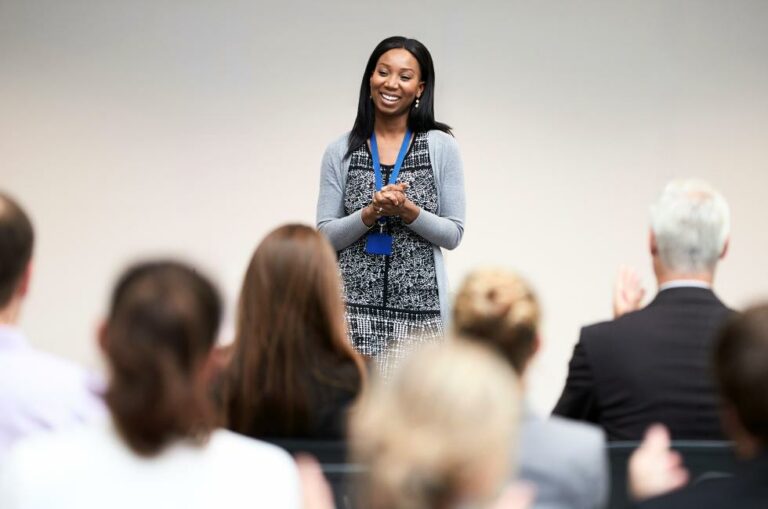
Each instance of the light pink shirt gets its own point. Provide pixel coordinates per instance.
(41, 392)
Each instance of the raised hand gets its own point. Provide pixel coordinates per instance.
(628, 293)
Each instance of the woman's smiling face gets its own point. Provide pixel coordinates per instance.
(396, 82)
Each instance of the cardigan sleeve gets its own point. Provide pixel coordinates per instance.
(446, 228)
(340, 229)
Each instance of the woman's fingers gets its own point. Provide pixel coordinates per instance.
(396, 198)
(400, 186)
(381, 198)
(388, 198)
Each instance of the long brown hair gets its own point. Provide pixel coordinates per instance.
(161, 327)
(291, 334)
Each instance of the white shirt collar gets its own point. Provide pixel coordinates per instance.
(685, 283)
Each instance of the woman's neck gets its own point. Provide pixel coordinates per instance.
(390, 126)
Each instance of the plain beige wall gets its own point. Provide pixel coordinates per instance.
(191, 128)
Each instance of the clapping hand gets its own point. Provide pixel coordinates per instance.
(315, 489)
(519, 495)
(654, 468)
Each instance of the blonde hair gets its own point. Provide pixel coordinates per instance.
(438, 432)
(498, 307)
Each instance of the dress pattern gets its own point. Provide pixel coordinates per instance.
(392, 301)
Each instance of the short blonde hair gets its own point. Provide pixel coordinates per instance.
(440, 431)
(499, 308)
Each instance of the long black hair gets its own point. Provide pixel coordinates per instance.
(419, 119)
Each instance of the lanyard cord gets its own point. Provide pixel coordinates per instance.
(398, 163)
(395, 171)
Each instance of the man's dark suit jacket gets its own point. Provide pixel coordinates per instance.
(651, 365)
(748, 489)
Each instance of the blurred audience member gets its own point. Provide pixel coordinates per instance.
(160, 449)
(436, 435)
(652, 364)
(293, 372)
(38, 392)
(565, 460)
(741, 367)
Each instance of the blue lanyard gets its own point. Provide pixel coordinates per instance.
(398, 163)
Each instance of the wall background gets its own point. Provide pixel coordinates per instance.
(192, 128)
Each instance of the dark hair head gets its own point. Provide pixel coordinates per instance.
(160, 331)
(741, 366)
(419, 119)
(497, 307)
(16, 241)
(291, 335)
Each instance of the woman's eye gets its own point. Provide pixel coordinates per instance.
(382, 73)
(405, 78)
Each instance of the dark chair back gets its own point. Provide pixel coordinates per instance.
(704, 460)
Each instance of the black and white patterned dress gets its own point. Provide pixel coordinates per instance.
(392, 301)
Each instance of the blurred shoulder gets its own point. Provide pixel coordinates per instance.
(566, 460)
(585, 435)
(249, 469)
(628, 322)
(566, 434)
(40, 456)
(233, 445)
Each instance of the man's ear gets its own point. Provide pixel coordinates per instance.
(101, 335)
(536, 346)
(725, 248)
(652, 243)
(26, 276)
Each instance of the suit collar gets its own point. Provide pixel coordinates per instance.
(685, 294)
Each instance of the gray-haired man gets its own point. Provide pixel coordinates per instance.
(652, 365)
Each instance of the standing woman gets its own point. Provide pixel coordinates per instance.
(392, 195)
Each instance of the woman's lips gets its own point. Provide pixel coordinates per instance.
(389, 98)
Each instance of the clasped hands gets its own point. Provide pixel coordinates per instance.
(391, 201)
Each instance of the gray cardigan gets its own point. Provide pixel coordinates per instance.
(443, 229)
